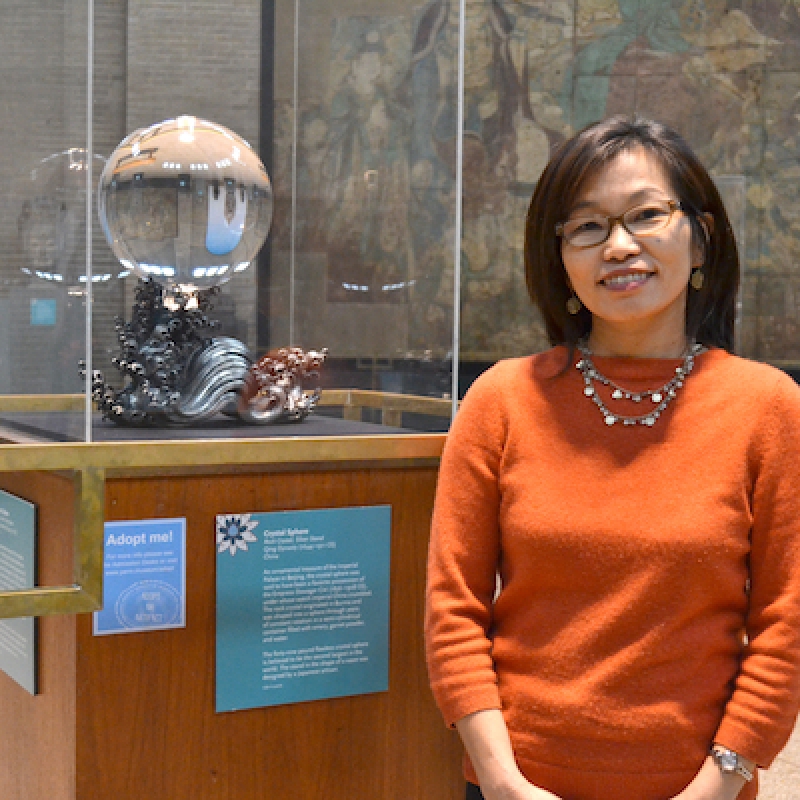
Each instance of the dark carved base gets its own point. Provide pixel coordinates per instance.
(178, 373)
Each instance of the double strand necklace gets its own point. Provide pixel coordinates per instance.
(660, 397)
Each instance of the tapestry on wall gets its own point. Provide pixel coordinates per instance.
(376, 150)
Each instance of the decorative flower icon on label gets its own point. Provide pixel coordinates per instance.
(234, 531)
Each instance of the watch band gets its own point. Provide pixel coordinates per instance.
(730, 762)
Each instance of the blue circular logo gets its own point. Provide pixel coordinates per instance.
(148, 604)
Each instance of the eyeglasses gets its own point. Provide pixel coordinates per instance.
(641, 220)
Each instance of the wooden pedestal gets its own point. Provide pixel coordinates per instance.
(131, 717)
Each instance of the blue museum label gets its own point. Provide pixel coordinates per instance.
(302, 605)
(144, 576)
(18, 637)
(43, 311)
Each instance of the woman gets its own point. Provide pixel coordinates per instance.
(614, 570)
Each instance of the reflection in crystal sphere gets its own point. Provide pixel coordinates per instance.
(51, 222)
(186, 202)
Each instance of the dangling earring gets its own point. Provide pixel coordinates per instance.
(697, 279)
(573, 305)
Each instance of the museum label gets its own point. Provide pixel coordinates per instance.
(144, 576)
(302, 605)
(18, 637)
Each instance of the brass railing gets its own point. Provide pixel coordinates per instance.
(42, 402)
(86, 592)
(352, 401)
(391, 405)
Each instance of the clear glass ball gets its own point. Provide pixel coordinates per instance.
(186, 202)
(52, 221)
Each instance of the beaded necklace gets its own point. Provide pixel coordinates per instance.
(660, 397)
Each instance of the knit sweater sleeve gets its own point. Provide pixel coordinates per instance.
(463, 555)
(762, 710)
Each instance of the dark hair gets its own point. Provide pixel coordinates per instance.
(710, 312)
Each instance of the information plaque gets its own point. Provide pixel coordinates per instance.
(144, 576)
(302, 605)
(18, 637)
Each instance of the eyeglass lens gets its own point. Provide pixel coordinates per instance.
(639, 221)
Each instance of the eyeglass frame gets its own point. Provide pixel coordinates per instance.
(619, 219)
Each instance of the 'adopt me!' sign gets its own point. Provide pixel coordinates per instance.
(144, 576)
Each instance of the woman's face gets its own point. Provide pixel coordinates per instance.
(632, 285)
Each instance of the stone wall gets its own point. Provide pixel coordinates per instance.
(202, 59)
(43, 74)
(152, 60)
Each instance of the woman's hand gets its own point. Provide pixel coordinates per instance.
(711, 784)
(525, 791)
(485, 736)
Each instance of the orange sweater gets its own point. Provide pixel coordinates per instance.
(615, 646)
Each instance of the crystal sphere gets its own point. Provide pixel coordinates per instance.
(52, 220)
(186, 202)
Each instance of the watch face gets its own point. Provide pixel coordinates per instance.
(727, 761)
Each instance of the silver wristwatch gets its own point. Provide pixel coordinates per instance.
(730, 762)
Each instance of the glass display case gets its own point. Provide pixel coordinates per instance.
(402, 143)
(350, 241)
